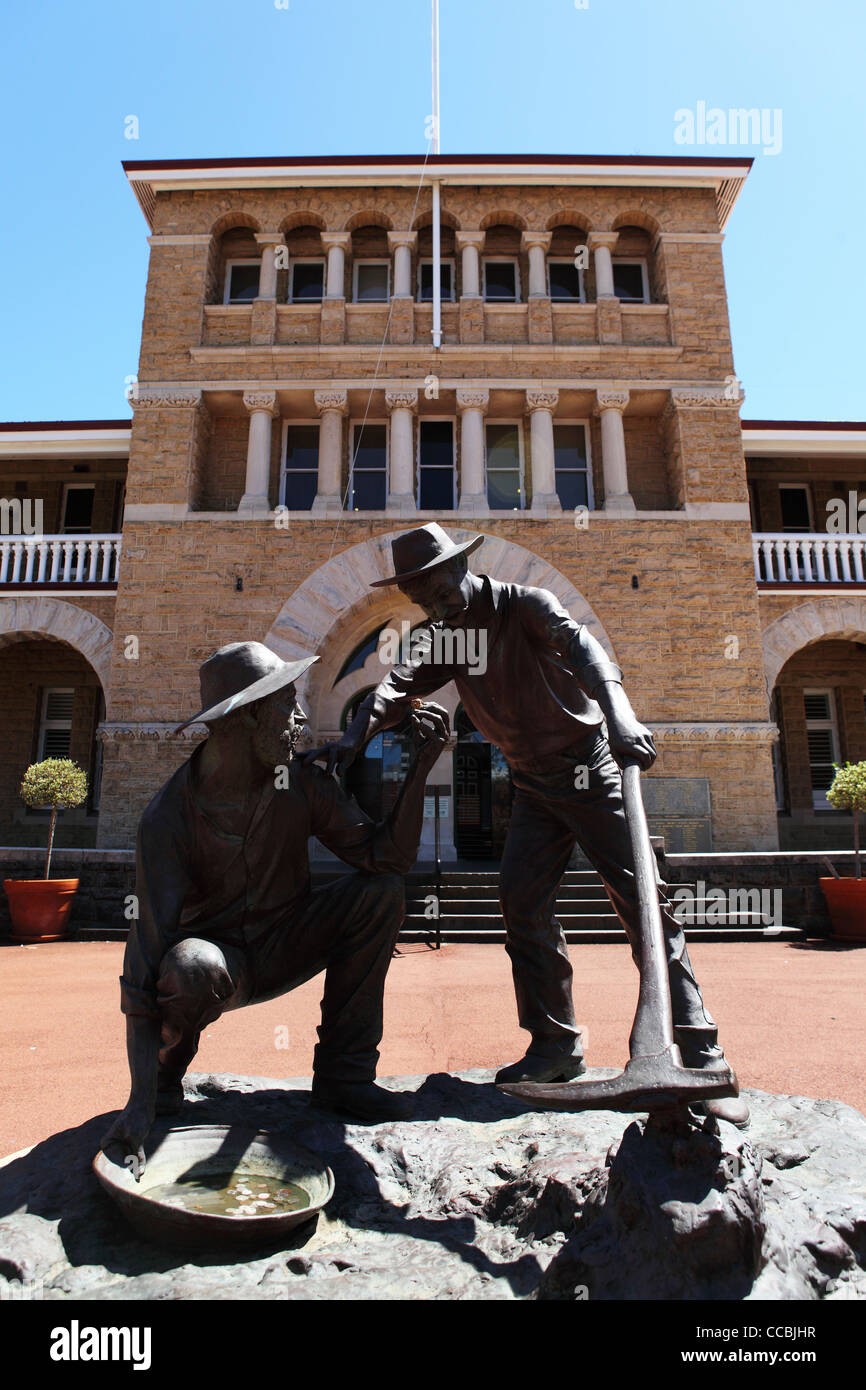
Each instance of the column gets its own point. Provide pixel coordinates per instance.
(541, 405)
(610, 405)
(469, 245)
(336, 245)
(401, 245)
(262, 406)
(269, 242)
(537, 244)
(401, 486)
(601, 245)
(332, 406)
(472, 405)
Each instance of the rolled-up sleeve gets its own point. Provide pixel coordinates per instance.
(422, 675)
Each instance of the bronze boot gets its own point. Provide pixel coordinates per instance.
(700, 1049)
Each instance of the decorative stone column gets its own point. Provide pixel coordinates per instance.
(402, 324)
(332, 406)
(336, 245)
(262, 406)
(541, 405)
(539, 311)
(469, 245)
(401, 489)
(608, 311)
(610, 405)
(263, 328)
(472, 404)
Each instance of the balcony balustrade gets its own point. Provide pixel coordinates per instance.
(786, 558)
(82, 561)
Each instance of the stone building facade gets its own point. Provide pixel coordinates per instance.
(291, 414)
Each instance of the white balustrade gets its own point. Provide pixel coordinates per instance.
(70, 560)
(783, 558)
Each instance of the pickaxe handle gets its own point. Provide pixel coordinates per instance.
(652, 1030)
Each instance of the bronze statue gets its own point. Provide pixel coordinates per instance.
(544, 694)
(227, 915)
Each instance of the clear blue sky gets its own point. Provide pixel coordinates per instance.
(213, 78)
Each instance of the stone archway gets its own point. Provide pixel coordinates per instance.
(40, 616)
(336, 604)
(835, 616)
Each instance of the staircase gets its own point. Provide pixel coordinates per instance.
(469, 911)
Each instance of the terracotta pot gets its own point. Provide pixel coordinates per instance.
(846, 900)
(40, 907)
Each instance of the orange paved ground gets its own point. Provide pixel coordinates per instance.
(792, 1017)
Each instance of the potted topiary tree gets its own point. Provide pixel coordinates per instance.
(846, 897)
(40, 907)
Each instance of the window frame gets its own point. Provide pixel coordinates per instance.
(819, 799)
(371, 260)
(584, 422)
(431, 420)
(797, 487)
(521, 455)
(290, 422)
(634, 260)
(501, 260)
(239, 303)
(46, 724)
(566, 260)
(306, 260)
(446, 260)
(360, 423)
(64, 498)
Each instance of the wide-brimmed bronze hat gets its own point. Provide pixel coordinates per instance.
(237, 675)
(415, 552)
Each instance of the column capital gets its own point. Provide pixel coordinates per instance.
(396, 239)
(269, 238)
(541, 400)
(530, 239)
(261, 400)
(465, 239)
(170, 398)
(331, 400)
(472, 398)
(402, 400)
(596, 239)
(611, 399)
(342, 240)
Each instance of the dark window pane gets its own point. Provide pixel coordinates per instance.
(243, 283)
(564, 280)
(569, 446)
(427, 281)
(795, 508)
(369, 491)
(437, 490)
(300, 491)
(369, 446)
(500, 280)
(372, 284)
(307, 282)
(503, 490)
(78, 512)
(628, 281)
(571, 489)
(437, 444)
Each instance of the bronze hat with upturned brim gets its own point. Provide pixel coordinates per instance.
(415, 552)
(237, 675)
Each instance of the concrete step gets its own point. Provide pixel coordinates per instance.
(599, 937)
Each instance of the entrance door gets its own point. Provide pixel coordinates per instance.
(473, 822)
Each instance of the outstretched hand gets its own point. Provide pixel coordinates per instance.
(431, 728)
(628, 738)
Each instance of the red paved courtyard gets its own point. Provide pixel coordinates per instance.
(792, 1021)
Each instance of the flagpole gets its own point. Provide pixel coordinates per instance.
(437, 222)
